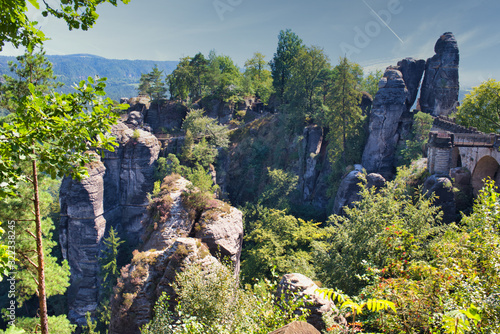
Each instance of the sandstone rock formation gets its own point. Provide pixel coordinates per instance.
(114, 194)
(166, 116)
(412, 71)
(442, 188)
(313, 167)
(81, 229)
(176, 234)
(388, 107)
(348, 191)
(303, 287)
(296, 327)
(150, 273)
(439, 93)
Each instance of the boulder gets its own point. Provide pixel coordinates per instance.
(442, 188)
(440, 87)
(348, 192)
(296, 327)
(221, 229)
(388, 107)
(300, 286)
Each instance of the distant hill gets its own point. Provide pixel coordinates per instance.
(123, 75)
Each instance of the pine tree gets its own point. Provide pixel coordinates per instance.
(109, 273)
(343, 104)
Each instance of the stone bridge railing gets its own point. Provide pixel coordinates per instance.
(449, 125)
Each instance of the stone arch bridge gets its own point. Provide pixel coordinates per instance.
(451, 146)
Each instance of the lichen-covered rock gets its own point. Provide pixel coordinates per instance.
(296, 327)
(168, 115)
(298, 285)
(388, 107)
(440, 87)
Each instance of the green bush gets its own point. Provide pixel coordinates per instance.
(211, 302)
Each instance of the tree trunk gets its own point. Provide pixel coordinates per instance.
(39, 249)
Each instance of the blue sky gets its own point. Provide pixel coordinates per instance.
(170, 29)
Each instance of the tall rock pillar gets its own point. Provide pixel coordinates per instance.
(439, 93)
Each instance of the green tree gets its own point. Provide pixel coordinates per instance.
(279, 187)
(199, 67)
(358, 237)
(303, 92)
(202, 126)
(289, 45)
(54, 133)
(181, 81)
(344, 114)
(422, 125)
(153, 85)
(16, 27)
(14, 209)
(481, 107)
(110, 272)
(32, 67)
(257, 72)
(277, 241)
(369, 83)
(224, 77)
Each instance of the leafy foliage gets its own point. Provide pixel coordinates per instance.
(481, 107)
(16, 28)
(210, 301)
(422, 125)
(357, 238)
(369, 83)
(289, 45)
(275, 241)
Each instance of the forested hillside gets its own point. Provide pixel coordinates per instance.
(123, 75)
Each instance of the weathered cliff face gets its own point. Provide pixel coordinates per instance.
(82, 227)
(165, 116)
(174, 238)
(314, 168)
(114, 194)
(439, 94)
(388, 107)
(412, 71)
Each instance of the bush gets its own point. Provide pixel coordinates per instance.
(210, 301)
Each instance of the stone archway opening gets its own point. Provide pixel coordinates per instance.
(456, 159)
(486, 166)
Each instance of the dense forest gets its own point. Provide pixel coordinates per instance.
(387, 263)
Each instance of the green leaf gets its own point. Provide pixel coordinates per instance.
(34, 3)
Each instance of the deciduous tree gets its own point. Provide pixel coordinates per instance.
(481, 107)
(289, 45)
(54, 133)
(16, 27)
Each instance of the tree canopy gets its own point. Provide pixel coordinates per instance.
(481, 107)
(16, 27)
